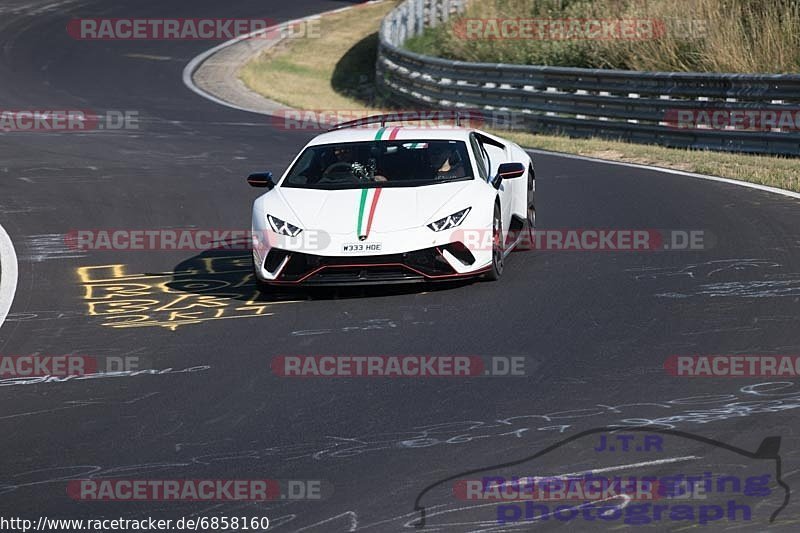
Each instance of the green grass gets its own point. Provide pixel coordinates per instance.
(333, 71)
(698, 35)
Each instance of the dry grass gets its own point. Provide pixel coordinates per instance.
(699, 35)
(304, 75)
(326, 72)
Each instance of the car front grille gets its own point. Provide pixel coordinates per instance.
(418, 264)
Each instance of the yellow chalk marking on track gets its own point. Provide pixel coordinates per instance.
(211, 288)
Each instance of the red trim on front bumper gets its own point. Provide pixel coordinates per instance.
(373, 265)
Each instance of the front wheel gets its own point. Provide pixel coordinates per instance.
(498, 248)
(531, 214)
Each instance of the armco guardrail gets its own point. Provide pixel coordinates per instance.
(634, 106)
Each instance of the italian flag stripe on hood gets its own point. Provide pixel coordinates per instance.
(369, 197)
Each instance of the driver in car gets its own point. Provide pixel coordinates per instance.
(346, 155)
(447, 162)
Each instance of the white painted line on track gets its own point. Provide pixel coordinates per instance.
(749, 185)
(8, 274)
(616, 468)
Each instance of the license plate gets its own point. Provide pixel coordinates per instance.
(362, 247)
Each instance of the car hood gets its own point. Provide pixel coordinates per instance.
(383, 209)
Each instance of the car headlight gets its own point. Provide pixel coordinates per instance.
(282, 227)
(450, 221)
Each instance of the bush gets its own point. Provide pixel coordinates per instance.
(699, 35)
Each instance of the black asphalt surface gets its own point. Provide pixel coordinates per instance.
(594, 328)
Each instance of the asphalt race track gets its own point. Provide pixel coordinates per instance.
(594, 328)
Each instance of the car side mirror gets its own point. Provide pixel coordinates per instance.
(507, 171)
(261, 179)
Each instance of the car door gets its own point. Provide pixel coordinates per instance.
(490, 155)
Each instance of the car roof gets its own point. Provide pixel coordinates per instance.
(371, 133)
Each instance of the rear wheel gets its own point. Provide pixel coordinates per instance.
(530, 224)
(531, 197)
(498, 248)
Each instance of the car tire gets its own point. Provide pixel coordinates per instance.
(530, 222)
(498, 246)
(531, 205)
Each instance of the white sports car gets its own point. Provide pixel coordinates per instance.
(365, 204)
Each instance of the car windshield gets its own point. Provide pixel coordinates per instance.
(380, 164)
